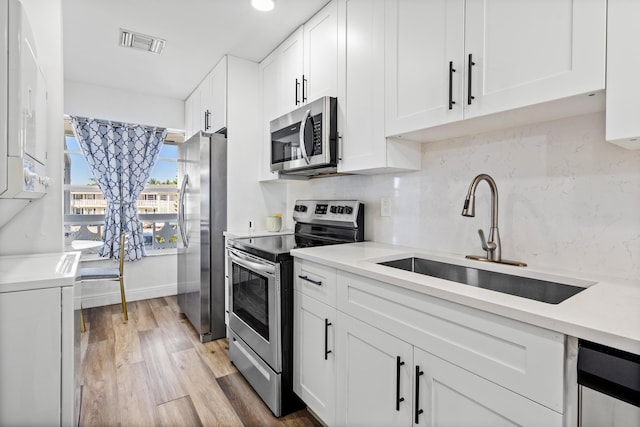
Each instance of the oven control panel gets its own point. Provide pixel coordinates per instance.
(327, 210)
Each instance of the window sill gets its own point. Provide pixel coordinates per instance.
(150, 254)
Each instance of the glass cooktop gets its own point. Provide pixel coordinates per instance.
(276, 248)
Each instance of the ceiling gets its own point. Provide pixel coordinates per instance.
(197, 33)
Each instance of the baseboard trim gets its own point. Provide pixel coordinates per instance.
(108, 298)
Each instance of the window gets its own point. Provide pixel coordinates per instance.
(84, 204)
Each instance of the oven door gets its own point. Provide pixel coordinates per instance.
(254, 299)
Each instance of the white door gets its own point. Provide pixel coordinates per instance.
(363, 143)
(374, 376)
(321, 54)
(451, 396)
(424, 45)
(218, 97)
(292, 66)
(30, 366)
(314, 372)
(528, 52)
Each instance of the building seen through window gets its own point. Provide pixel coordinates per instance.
(85, 205)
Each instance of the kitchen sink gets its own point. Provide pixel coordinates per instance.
(535, 289)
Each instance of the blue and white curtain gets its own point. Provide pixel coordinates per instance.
(121, 158)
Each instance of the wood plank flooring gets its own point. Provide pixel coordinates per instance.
(154, 371)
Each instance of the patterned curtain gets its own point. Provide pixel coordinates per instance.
(121, 158)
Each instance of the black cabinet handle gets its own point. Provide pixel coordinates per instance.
(418, 411)
(304, 89)
(297, 87)
(399, 399)
(470, 97)
(207, 115)
(451, 71)
(326, 338)
(315, 282)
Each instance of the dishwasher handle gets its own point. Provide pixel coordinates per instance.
(610, 371)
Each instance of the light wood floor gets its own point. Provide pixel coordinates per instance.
(153, 371)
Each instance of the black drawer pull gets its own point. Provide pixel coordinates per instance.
(451, 71)
(470, 97)
(326, 338)
(418, 411)
(399, 399)
(315, 282)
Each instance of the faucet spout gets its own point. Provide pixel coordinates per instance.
(492, 246)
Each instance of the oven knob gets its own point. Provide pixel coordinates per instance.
(296, 208)
(348, 210)
(340, 209)
(303, 208)
(334, 209)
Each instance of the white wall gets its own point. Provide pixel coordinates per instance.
(151, 277)
(38, 227)
(568, 199)
(101, 102)
(247, 199)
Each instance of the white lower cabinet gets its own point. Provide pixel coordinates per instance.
(380, 355)
(314, 371)
(448, 395)
(374, 376)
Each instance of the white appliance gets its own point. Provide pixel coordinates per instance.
(40, 340)
(23, 114)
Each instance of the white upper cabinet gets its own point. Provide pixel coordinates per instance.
(424, 66)
(519, 62)
(289, 95)
(217, 102)
(623, 84)
(364, 148)
(320, 75)
(206, 108)
(448, 60)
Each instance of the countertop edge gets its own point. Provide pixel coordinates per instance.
(570, 317)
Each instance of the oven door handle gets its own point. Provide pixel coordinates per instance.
(251, 264)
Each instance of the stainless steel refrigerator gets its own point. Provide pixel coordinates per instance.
(202, 218)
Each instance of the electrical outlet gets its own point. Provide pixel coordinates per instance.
(385, 206)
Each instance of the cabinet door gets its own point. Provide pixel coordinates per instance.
(364, 144)
(422, 39)
(321, 54)
(451, 396)
(314, 371)
(193, 118)
(623, 63)
(292, 66)
(519, 62)
(30, 366)
(217, 106)
(372, 389)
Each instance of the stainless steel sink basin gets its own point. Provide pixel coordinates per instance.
(539, 290)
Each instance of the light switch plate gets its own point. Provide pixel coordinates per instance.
(385, 206)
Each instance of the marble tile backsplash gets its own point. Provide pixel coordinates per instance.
(568, 200)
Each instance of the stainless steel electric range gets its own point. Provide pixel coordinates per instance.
(261, 295)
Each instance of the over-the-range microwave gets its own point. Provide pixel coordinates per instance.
(304, 142)
(23, 114)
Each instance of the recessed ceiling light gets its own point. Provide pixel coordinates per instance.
(141, 41)
(262, 5)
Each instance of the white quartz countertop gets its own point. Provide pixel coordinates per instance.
(607, 312)
(38, 271)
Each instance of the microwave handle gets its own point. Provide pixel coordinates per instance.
(303, 124)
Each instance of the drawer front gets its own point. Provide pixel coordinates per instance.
(523, 358)
(315, 280)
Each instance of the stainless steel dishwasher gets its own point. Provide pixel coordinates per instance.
(609, 386)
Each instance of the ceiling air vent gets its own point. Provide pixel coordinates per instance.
(141, 41)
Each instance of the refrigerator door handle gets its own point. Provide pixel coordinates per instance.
(181, 222)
